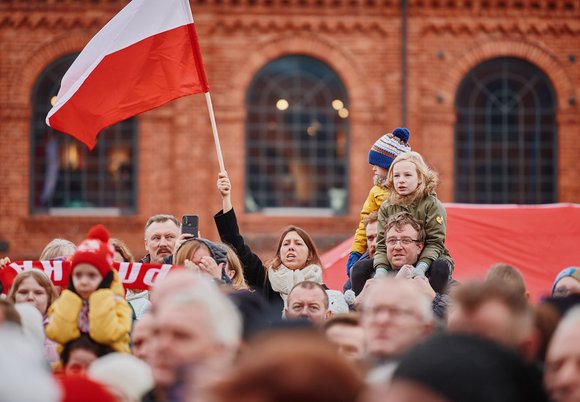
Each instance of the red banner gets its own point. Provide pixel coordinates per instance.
(133, 275)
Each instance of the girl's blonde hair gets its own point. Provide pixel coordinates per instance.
(428, 179)
(234, 264)
(41, 279)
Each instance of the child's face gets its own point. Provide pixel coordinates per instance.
(86, 278)
(380, 172)
(405, 178)
(79, 361)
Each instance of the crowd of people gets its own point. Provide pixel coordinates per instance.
(225, 325)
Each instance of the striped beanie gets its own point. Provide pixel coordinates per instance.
(389, 146)
(573, 272)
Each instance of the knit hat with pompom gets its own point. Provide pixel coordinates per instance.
(389, 146)
(95, 250)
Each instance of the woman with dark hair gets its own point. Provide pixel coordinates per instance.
(296, 258)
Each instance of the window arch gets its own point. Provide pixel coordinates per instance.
(297, 132)
(506, 135)
(65, 175)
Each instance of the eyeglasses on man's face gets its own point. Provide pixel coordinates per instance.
(404, 241)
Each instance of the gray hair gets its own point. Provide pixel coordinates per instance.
(425, 304)
(224, 317)
(161, 218)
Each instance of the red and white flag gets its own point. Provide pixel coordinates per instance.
(145, 56)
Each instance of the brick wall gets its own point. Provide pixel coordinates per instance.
(359, 39)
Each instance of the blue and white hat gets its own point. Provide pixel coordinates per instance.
(389, 146)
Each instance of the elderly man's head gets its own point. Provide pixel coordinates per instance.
(308, 300)
(195, 327)
(161, 232)
(495, 311)
(396, 315)
(562, 371)
(404, 239)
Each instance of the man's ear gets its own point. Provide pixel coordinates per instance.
(328, 314)
(146, 247)
(421, 246)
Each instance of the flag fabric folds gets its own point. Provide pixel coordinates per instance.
(145, 56)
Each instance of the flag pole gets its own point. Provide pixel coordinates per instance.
(216, 138)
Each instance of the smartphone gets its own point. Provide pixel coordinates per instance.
(190, 224)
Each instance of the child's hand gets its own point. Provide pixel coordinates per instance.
(223, 184)
(107, 280)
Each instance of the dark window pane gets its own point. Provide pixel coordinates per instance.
(505, 136)
(296, 135)
(64, 173)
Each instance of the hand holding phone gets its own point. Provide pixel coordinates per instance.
(190, 225)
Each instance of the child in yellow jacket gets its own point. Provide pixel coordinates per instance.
(94, 302)
(381, 155)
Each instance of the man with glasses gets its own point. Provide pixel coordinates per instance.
(405, 240)
(396, 315)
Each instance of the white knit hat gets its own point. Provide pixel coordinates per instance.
(125, 373)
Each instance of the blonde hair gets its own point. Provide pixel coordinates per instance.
(234, 264)
(42, 281)
(428, 179)
(187, 250)
(121, 248)
(58, 248)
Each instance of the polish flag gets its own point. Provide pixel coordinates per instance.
(145, 56)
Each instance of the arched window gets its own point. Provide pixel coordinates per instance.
(296, 138)
(506, 136)
(65, 176)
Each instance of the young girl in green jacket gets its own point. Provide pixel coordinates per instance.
(411, 185)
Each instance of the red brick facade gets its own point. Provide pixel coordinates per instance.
(359, 39)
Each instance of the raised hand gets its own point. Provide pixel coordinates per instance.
(224, 186)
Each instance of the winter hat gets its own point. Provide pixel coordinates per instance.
(31, 320)
(570, 271)
(337, 302)
(464, 368)
(219, 254)
(24, 372)
(389, 146)
(125, 373)
(77, 388)
(95, 250)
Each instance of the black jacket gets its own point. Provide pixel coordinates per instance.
(254, 269)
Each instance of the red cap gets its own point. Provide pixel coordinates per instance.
(95, 250)
(77, 388)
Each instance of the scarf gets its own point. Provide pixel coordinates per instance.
(283, 279)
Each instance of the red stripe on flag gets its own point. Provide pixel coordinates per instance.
(133, 80)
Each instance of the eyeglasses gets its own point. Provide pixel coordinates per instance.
(405, 241)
